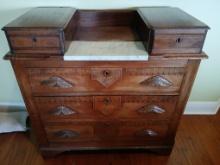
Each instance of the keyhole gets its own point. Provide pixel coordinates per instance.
(106, 73)
(34, 39)
(178, 40)
(107, 101)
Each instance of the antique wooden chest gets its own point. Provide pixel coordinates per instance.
(105, 104)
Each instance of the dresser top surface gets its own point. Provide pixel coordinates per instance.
(169, 17)
(43, 17)
(58, 17)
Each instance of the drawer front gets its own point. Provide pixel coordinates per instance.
(178, 43)
(107, 105)
(56, 109)
(60, 81)
(106, 131)
(70, 133)
(35, 41)
(65, 109)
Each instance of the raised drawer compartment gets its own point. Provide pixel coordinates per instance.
(109, 131)
(177, 43)
(36, 44)
(63, 81)
(40, 32)
(65, 109)
(169, 30)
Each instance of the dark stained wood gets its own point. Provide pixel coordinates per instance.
(118, 33)
(161, 29)
(40, 30)
(170, 30)
(93, 25)
(66, 109)
(169, 18)
(105, 105)
(119, 80)
(26, 93)
(197, 142)
(43, 17)
(177, 43)
(100, 18)
(189, 78)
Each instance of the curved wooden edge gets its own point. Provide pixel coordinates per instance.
(10, 56)
(203, 55)
(48, 152)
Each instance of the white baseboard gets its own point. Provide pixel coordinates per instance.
(202, 107)
(192, 107)
(12, 104)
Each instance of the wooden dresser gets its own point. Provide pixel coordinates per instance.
(105, 105)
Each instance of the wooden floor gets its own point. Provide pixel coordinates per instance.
(197, 143)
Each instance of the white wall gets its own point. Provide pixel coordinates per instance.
(207, 85)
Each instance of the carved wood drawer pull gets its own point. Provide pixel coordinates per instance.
(56, 82)
(151, 133)
(157, 81)
(62, 111)
(151, 109)
(66, 134)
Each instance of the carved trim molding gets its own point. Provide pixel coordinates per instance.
(155, 71)
(157, 81)
(56, 82)
(60, 100)
(60, 71)
(106, 76)
(148, 99)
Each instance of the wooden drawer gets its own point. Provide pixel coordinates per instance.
(170, 30)
(70, 133)
(65, 109)
(36, 41)
(90, 81)
(177, 43)
(143, 131)
(108, 131)
(60, 108)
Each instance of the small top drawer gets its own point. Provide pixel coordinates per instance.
(40, 31)
(36, 41)
(177, 43)
(170, 30)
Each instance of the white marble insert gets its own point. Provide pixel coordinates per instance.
(106, 51)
